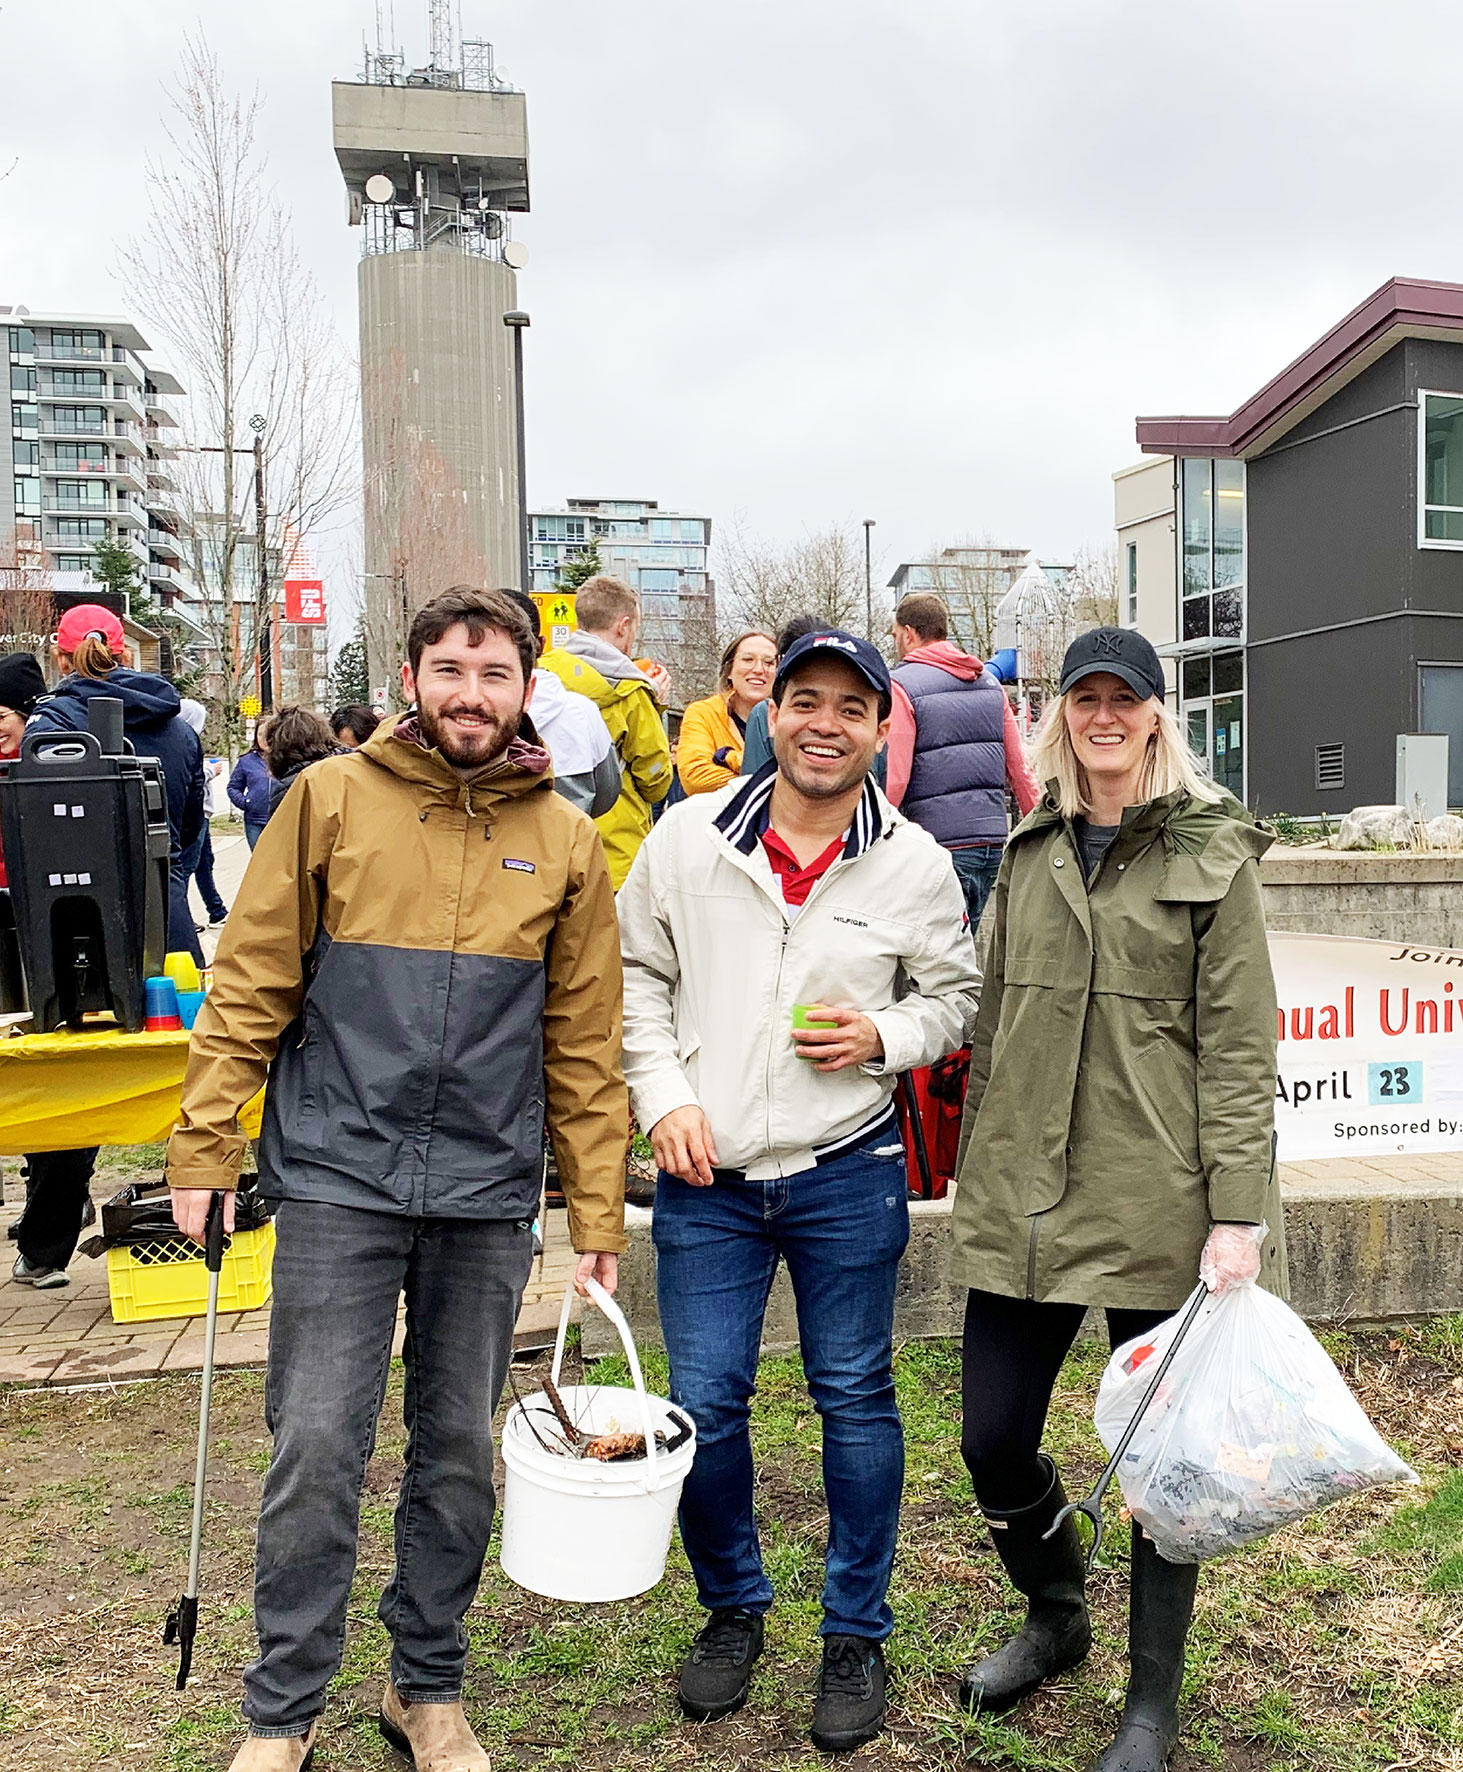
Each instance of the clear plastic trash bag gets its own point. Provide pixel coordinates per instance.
(1252, 1427)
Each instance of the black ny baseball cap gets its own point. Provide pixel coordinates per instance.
(1123, 652)
(865, 658)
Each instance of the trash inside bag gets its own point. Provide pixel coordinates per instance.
(1252, 1427)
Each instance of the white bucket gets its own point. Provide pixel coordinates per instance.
(576, 1528)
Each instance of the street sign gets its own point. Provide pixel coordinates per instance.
(249, 706)
(556, 615)
(304, 602)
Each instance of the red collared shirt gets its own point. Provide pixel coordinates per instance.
(796, 880)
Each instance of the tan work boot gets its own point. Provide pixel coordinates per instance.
(434, 1737)
(276, 1753)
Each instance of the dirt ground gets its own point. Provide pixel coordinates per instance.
(1338, 1644)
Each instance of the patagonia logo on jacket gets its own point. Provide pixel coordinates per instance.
(518, 866)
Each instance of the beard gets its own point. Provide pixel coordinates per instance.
(486, 746)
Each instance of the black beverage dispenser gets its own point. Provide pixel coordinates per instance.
(84, 827)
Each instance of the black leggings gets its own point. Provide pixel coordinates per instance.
(1013, 1351)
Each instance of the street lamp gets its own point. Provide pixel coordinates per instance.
(869, 577)
(257, 424)
(517, 320)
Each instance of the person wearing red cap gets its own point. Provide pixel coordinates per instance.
(91, 649)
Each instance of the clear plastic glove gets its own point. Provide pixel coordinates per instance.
(1232, 1255)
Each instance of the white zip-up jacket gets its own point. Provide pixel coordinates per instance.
(714, 964)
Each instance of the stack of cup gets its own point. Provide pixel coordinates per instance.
(183, 970)
(162, 1014)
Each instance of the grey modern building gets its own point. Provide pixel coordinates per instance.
(1318, 538)
(435, 161)
(89, 457)
(662, 555)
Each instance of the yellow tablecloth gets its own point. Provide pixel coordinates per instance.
(63, 1091)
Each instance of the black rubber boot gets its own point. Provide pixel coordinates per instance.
(1052, 1573)
(1160, 1605)
(716, 1675)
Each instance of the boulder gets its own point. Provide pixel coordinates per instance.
(1375, 827)
(1445, 832)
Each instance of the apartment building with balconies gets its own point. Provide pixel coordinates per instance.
(90, 456)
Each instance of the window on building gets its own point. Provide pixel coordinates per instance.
(82, 528)
(73, 562)
(1212, 501)
(81, 492)
(79, 380)
(24, 454)
(22, 379)
(28, 496)
(1132, 583)
(1212, 694)
(1441, 468)
(654, 578)
(25, 418)
(79, 339)
(22, 340)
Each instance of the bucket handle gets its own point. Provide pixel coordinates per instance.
(627, 1341)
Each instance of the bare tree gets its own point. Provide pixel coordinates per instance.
(1094, 588)
(425, 536)
(216, 274)
(970, 578)
(822, 575)
(27, 606)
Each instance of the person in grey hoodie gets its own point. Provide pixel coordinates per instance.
(573, 732)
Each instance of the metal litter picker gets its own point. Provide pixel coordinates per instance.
(182, 1624)
(1091, 1505)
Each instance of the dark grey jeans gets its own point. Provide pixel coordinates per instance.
(338, 1273)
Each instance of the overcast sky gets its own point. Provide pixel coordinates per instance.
(809, 261)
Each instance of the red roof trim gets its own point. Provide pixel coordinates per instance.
(1405, 306)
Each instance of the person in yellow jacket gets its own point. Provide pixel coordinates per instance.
(596, 660)
(709, 754)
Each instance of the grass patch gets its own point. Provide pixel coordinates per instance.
(1332, 1647)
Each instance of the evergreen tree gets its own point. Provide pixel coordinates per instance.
(116, 567)
(579, 567)
(350, 678)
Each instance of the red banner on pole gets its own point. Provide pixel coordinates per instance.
(304, 602)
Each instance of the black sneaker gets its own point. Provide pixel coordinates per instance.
(717, 1673)
(849, 1709)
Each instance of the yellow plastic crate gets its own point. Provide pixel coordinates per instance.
(168, 1279)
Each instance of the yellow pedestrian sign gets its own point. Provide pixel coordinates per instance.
(249, 706)
(556, 615)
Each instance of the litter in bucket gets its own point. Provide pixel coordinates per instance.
(592, 1487)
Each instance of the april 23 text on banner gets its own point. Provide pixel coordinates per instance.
(1371, 1047)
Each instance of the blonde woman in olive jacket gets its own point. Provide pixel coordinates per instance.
(1119, 1125)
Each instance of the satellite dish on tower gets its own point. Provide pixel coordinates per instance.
(379, 188)
(515, 255)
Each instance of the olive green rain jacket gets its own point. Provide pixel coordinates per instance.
(1122, 1073)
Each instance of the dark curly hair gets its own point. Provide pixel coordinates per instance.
(297, 736)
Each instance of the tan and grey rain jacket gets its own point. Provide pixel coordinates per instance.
(425, 967)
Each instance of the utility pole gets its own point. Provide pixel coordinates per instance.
(517, 320)
(869, 577)
(266, 626)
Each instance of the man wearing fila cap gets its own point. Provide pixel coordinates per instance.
(791, 943)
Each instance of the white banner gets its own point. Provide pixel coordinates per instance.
(1371, 1047)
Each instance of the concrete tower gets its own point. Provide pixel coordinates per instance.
(435, 160)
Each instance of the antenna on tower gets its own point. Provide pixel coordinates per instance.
(443, 55)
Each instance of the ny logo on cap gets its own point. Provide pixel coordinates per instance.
(1108, 644)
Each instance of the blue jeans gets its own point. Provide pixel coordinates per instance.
(976, 869)
(338, 1273)
(841, 1229)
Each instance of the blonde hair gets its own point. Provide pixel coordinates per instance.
(1168, 766)
(601, 601)
(92, 657)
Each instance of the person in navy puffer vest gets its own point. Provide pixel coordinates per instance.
(953, 748)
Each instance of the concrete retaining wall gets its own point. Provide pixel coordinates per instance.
(1385, 897)
(1366, 1246)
